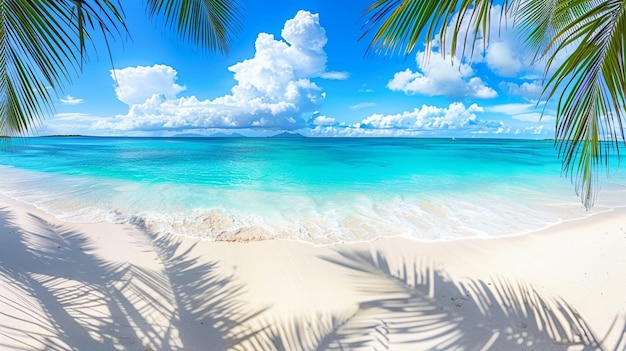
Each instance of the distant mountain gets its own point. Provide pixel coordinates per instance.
(288, 135)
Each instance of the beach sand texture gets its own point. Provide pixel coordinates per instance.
(105, 286)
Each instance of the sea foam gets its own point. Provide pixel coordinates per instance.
(319, 191)
(229, 215)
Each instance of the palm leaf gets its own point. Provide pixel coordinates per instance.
(397, 26)
(209, 24)
(538, 21)
(42, 43)
(591, 83)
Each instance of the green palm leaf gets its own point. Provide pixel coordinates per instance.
(589, 84)
(208, 24)
(590, 109)
(399, 25)
(43, 44)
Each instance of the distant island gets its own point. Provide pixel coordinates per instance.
(288, 135)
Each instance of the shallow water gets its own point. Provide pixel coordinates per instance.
(311, 189)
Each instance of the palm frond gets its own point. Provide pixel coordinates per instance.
(539, 21)
(397, 26)
(42, 43)
(209, 24)
(592, 84)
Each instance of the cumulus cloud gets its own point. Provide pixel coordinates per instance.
(70, 100)
(503, 60)
(323, 121)
(503, 52)
(528, 90)
(454, 118)
(440, 75)
(274, 88)
(137, 84)
(428, 117)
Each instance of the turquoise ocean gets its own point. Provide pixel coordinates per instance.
(319, 190)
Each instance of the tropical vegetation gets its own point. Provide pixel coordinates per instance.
(43, 44)
(580, 42)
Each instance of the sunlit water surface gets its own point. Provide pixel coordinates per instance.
(316, 190)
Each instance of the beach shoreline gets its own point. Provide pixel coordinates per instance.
(103, 286)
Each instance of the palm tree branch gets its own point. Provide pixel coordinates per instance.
(591, 82)
(209, 24)
(41, 43)
(28, 44)
(397, 26)
(539, 20)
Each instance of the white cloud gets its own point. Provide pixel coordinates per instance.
(511, 109)
(505, 54)
(335, 75)
(137, 84)
(526, 112)
(273, 90)
(532, 130)
(362, 105)
(70, 100)
(528, 90)
(454, 119)
(73, 116)
(503, 60)
(428, 117)
(441, 76)
(323, 121)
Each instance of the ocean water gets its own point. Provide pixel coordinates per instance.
(311, 189)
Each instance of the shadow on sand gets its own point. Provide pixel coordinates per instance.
(423, 309)
(68, 297)
(79, 301)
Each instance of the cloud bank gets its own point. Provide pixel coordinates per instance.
(456, 119)
(273, 91)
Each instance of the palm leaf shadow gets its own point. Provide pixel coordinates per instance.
(423, 306)
(209, 308)
(73, 299)
(321, 331)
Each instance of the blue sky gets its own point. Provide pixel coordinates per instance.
(299, 66)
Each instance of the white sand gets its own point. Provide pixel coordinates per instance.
(104, 287)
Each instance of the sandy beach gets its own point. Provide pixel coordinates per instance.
(104, 286)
